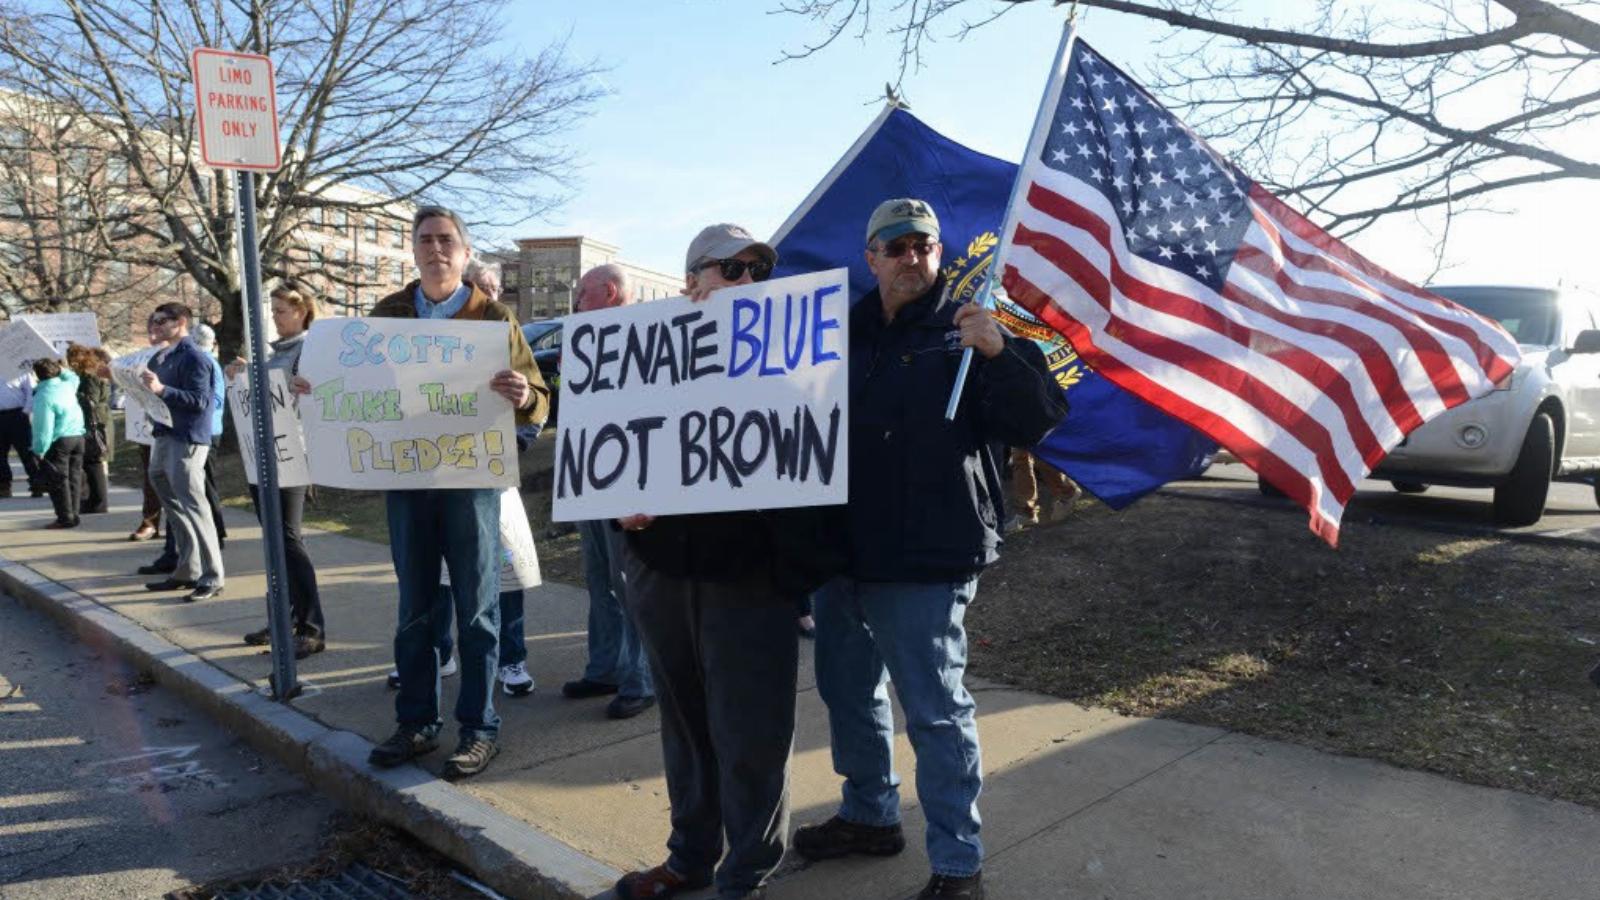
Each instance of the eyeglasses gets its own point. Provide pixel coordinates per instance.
(898, 249)
(734, 269)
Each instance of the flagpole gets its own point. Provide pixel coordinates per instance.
(1041, 128)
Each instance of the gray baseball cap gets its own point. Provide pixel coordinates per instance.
(723, 241)
(905, 215)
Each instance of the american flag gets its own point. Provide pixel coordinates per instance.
(1183, 281)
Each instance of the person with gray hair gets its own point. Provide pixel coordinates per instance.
(617, 664)
(459, 527)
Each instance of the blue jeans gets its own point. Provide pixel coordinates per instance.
(868, 634)
(513, 636)
(461, 529)
(616, 655)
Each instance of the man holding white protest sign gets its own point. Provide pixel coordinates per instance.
(293, 311)
(442, 447)
(714, 594)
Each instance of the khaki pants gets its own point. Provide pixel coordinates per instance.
(1027, 472)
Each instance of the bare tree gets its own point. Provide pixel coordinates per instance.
(1356, 112)
(403, 99)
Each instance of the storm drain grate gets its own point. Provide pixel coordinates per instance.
(355, 883)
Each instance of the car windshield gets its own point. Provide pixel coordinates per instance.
(542, 335)
(1529, 314)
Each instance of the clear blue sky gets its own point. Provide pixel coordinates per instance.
(701, 126)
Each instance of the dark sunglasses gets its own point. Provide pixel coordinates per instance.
(898, 249)
(161, 320)
(733, 269)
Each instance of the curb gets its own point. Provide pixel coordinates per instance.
(509, 855)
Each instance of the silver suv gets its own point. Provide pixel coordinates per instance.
(1541, 424)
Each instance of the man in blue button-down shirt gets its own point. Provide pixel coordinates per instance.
(16, 400)
(181, 376)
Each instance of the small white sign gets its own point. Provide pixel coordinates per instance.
(737, 402)
(137, 424)
(61, 329)
(288, 444)
(237, 107)
(405, 404)
(20, 345)
(519, 561)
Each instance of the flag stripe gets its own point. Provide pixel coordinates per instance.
(1323, 381)
(1243, 443)
(1224, 374)
(1461, 324)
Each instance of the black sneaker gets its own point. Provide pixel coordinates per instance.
(307, 644)
(407, 743)
(260, 638)
(471, 757)
(837, 837)
(968, 888)
(583, 688)
(172, 584)
(627, 707)
(159, 567)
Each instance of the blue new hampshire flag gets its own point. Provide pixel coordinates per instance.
(1115, 445)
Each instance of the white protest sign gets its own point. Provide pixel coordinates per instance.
(137, 425)
(237, 108)
(738, 402)
(405, 404)
(61, 329)
(20, 345)
(289, 445)
(125, 372)
(519, 562)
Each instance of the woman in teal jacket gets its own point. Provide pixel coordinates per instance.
(58, 437)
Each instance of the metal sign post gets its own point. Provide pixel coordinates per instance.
(238, 118)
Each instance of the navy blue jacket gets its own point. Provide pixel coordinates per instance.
(925, 496)
(185, 374)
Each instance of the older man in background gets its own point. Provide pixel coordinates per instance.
(617, 663)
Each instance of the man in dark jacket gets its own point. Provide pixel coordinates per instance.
(180, 374)
(924, 520)
(459, 526)
(714, 596)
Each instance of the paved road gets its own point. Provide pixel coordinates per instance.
(111, 788)
(1571, 513)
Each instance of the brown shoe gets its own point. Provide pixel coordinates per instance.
(143, 533)
(658, 882)
(307, 644)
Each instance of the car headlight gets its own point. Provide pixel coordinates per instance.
(1506, 383)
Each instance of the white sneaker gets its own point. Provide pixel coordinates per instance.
(445, 671)
(515, 680)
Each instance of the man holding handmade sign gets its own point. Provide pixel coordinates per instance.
(728, 415)
(400, 406)
(293, 311)
(20, 345)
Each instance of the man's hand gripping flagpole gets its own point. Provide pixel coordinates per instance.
(1041, 120)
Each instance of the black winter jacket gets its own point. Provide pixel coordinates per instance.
(925, 494)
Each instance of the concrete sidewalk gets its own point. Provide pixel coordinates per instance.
(1077, 803)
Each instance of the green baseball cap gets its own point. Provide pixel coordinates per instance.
(906, 215)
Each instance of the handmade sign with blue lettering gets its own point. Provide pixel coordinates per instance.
(405, 404)
(737, 402)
